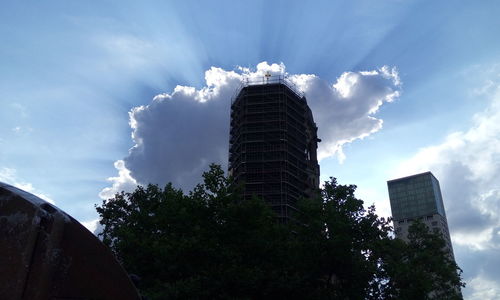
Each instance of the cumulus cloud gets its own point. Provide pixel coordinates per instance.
(468, 166)
(9, 176)
(483, 289)
(93, 226)
(344, 110)
(180, 133)
(122, 182)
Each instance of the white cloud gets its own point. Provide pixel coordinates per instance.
(483, 289)
(179, 134)
(123, 182)
(344, 110)
(9, 176)
(468, 166)
(93, 226)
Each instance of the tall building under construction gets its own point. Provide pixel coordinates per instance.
(273, 144)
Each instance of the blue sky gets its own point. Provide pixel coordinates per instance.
(71, 71)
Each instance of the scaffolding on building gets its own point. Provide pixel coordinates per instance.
(273, 142)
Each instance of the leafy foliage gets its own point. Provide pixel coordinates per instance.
(208, 244)
(422, 268)
(213, 244)
(338, 243)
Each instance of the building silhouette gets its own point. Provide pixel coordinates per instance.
(418, 197)
(273, 143)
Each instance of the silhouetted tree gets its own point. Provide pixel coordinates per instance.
(421, 268)
(211, 243)
(337, 243)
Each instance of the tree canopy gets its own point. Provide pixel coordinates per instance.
(421, 268)
(212, 243)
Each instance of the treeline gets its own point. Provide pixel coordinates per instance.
(211, 244)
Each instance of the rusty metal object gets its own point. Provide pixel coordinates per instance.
(46, 254)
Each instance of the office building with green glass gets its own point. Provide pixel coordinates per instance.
(418, 197)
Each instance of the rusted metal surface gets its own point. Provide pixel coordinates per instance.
(46, 254)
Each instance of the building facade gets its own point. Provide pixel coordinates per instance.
(273, 144)
(418, 197)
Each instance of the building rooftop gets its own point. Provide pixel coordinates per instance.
(271, 80)
(414, 196)
(411, 176)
